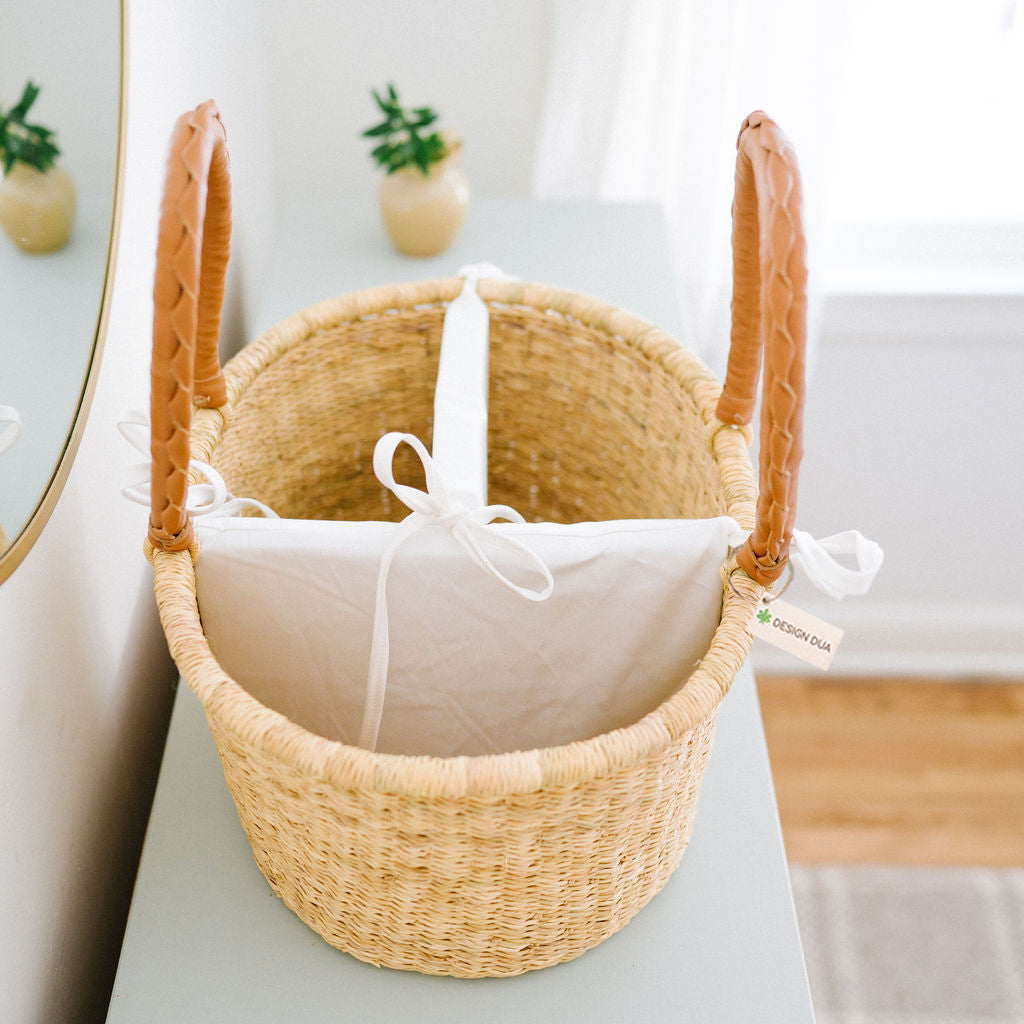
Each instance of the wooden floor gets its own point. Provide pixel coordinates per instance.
(897, 771)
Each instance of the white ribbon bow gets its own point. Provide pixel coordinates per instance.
(206, 499)
(10, 426)
(814, 557)
(469, 527)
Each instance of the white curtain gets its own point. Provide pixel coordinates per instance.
(644, 99)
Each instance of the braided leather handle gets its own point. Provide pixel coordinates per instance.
(191, 264)
(769, 313)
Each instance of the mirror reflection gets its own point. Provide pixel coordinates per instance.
(52, 289)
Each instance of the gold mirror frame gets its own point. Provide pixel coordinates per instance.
(12, 556)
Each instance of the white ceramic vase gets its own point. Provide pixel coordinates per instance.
(424, 212)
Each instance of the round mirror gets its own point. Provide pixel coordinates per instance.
(54, 294)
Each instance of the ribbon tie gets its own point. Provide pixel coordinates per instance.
(10, 426)
(471, 530)
(830, 576)
(210, 498)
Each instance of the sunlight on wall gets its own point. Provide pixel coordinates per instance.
(929, 113)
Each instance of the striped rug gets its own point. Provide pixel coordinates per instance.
(899, 945)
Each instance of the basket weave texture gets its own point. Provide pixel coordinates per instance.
(499, 864)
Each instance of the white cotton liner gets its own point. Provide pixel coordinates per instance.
(287, 606)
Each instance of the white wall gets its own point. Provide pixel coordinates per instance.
(914, 434)
(481, 66)
(86, 681)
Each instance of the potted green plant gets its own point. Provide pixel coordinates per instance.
(424, 194)
(37, 197)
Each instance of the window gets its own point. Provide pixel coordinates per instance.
(930, 114)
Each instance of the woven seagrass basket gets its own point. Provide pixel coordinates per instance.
(498, 864)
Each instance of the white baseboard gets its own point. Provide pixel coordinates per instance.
(914, 640)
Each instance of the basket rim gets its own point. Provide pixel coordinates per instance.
(230, 705)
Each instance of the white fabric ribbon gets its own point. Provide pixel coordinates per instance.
(459, 445)
(814, 557)
(469, 527)
(210, 498)
(10, 426)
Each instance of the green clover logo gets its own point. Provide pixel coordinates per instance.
(764, 616)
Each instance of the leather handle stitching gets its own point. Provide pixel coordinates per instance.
(192, 254)
(769, 326)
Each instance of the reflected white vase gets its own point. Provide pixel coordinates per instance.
(37, 208)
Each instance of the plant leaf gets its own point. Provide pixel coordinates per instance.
(20, 142)
(386, 107)
(22, 107)
(402, 145)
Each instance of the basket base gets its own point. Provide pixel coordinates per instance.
(470, 888)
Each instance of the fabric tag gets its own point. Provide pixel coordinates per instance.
(801, 634)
